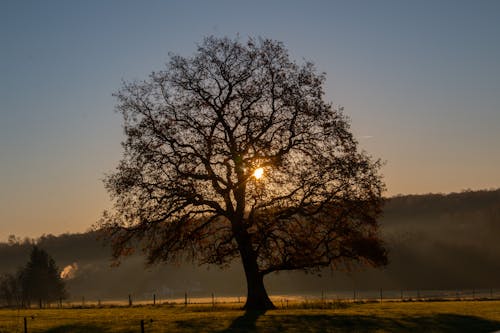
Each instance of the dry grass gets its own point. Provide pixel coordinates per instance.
(466, 316)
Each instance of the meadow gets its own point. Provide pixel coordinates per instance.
(436, 316)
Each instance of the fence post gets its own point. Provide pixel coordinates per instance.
(25, 325)
(154, 299)
(129, 300)
(185, 298)
(142, 325)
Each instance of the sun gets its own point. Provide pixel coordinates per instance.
(258, 173)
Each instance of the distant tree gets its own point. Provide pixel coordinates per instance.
(10, 289)
(13, 240)
(40, 280)
(233, 153)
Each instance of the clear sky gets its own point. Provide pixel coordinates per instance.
(419, 79)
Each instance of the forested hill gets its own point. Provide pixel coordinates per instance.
(435, 242)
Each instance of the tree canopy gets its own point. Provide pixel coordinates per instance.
(197, 131)
(40, 278)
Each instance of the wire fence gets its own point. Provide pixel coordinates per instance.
(345, 295)
(22, 321)
(325, 296)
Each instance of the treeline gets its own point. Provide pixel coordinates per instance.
(64, 248)
(436, 241)
(38, 281)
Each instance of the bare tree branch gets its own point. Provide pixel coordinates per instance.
(195, 134)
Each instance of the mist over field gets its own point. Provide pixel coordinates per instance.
(435, 242)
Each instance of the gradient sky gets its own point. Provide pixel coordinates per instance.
(419, 79)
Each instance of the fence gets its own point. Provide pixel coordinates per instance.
(380, 295)
(145, 320)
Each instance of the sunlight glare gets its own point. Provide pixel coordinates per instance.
(258, 173)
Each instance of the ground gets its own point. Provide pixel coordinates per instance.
(449, 316)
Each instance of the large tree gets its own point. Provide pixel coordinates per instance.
(233, 153)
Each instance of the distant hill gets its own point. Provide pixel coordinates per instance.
(436, 241)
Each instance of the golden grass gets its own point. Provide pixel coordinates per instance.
(465, 316)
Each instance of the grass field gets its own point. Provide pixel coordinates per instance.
(464, 316)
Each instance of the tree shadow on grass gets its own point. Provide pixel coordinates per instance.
(77, 328)
(246, 323)
(358, 323)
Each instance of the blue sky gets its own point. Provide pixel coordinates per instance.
(419, 79)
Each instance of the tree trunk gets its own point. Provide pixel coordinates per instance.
(257, 298)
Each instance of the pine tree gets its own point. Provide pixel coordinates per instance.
(40, 280)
